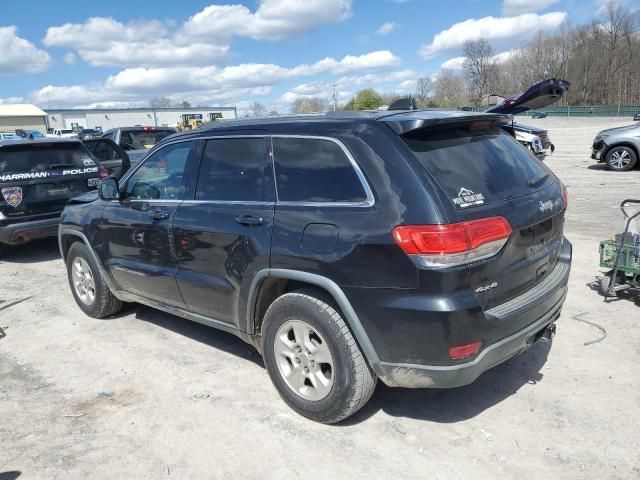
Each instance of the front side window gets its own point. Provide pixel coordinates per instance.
(161, 175)
(315, 170)
(234, 169)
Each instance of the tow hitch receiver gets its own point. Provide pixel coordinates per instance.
(544, 335)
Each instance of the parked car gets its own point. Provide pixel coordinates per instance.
(9, 136)
(61, 133)
(89, 133)
(539, 115)
(636, 117)
(418, 247)
(617, 147)
(30, 134)
(537, 96)
(37, 178)
(137, 141)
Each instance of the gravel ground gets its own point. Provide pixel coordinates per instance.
(149, 395)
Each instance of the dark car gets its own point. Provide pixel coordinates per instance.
(37, 178)
(636, 117)
(89, 133)
(137, 141)
(418, 247)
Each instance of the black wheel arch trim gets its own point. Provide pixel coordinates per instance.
(332, 289)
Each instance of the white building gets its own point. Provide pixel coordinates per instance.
(107, 118)
(22, 116)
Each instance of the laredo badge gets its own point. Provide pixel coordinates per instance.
(467, 198)
(12, 195)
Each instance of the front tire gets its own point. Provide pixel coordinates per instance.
(621, 159)
(87, 285)
(312, 358)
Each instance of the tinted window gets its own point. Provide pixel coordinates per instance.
(483, 160)
(314, 170)
(40, 157)
(234, 169)
(160, 177)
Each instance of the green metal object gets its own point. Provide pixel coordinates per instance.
(629, 260)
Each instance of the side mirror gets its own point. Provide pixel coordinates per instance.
(108, 189)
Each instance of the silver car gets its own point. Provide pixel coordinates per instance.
(617, 147)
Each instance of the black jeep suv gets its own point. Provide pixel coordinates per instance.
(418, 247)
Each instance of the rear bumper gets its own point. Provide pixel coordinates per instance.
(23, 232)
(521, 321)
(449, 376)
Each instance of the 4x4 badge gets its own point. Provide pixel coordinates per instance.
(12, 195)
(467, 198)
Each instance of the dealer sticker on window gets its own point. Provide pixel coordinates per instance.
(468, 198)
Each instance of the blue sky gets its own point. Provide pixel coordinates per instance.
(227, 52)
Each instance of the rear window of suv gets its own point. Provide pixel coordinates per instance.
(315, 170)
(471, 160)
(39, 157)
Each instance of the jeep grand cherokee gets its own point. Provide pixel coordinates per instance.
(419, 248)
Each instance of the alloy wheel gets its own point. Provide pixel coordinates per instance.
(620, 158)
(83, 281)
(304, 360)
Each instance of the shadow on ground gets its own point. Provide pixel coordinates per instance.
(32, 252)
(433, 405)
(9, 475)
(213, 337)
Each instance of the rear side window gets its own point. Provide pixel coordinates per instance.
(42, 157)
(234, 169)
(142, 139)
(477, 165)
(314, 170)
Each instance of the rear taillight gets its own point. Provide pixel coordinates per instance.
(453, 244)
(464, 351)
(565, 196)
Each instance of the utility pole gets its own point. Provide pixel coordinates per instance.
(335, 96)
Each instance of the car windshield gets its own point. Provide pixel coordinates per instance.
(469, 160)
(142, 139)
(38, 157)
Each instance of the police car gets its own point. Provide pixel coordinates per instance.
(37, 178)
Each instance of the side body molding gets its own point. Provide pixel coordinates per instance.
(333, 289)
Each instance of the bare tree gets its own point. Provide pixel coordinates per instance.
(480, 67)
(258, 109)
(310, 105)
(424, 91)
(449, 89)
(160, 102)
(185, 104)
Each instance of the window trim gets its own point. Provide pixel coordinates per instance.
(369, 202)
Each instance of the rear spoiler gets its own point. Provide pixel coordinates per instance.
(405, 122)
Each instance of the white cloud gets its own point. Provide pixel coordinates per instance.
(153, 53)
(456, 63)
(69, 58)
(98, 31)
(386, 28)
(202, 40)
(517, 7)
(19, 55)
(272, 20)
(208, 83)
(369, 79)
(518, 28)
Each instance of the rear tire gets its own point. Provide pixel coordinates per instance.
(621, 159)
(322, 375)
(87, 285)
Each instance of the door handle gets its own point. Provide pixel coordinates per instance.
(249, 220)
(159, 214)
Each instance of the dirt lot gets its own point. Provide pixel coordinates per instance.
(149, 395)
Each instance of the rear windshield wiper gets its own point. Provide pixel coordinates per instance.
(536, 180)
